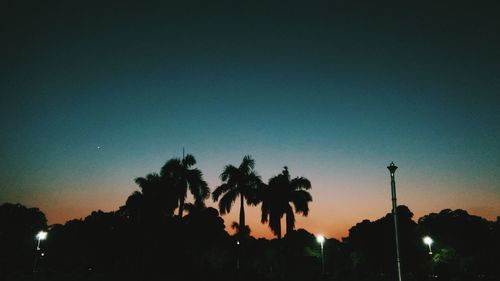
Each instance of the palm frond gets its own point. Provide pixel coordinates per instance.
(188, 161)
(275, 181)
(300, 200)
(226, 202)
(254, 179)
(248, 164)
(197, 186)
(228, 172)
(171, 167)
(300, 183)
(223, 188)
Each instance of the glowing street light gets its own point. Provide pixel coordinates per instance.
(428, 241)
(321, 240)
(42, 235)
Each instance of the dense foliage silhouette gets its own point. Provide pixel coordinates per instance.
(144, 240)
(117, 246)
(18, 227)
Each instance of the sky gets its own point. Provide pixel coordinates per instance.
(96, 94)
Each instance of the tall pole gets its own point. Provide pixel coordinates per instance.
(392, 168)
(238, 256)
(321, 240)
(40, 236)
(37, 253)
(322, 260)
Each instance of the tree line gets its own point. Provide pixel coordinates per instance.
(146, 239)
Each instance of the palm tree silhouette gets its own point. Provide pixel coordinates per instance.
(277, 196)
(240, 181)
(181, 176)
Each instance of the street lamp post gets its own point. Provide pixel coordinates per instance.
(428, 241)
(238, 256)
(392, 168)
(321, 240)
(42, 235)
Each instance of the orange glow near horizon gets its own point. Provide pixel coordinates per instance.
(332, 212)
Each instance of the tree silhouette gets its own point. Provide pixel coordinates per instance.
(115, 246)
(203, 220)
(178, 173)
(463, 243)
(277, 196)
(242, 231)
(372, 248)
(18, 227)
(240, 181)
(157, 198)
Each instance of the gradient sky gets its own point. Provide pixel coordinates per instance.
(335, 92)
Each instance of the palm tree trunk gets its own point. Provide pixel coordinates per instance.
(289, 222)
(278, 226)
(242, 212)
(181, 207)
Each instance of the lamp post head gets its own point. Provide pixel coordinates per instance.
(428, 240)
(392, 168)
(41, 235)
(320, 239)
